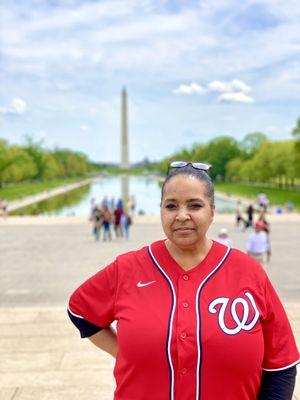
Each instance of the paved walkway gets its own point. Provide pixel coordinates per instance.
(42, 356)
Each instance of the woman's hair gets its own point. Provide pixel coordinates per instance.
(199, 174)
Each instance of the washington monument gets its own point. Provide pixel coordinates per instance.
(124, 140)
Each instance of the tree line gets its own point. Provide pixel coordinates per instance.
(255, 159)
(32, 162)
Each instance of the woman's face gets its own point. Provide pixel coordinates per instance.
(186, 212)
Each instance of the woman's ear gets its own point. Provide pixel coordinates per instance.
(213, 209)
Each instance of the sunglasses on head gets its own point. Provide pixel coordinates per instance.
(196, 165)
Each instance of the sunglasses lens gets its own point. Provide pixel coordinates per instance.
(178, 164)
(204, 167)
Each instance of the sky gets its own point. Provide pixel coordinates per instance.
(193, 70)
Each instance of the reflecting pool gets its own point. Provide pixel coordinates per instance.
(144, 192)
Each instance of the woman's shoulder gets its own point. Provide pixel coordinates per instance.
(140, 255)
(246, 264)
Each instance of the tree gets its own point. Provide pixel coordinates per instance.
(21, 166)
(219, 152)
(296, 134)
(252, 142)
(5, 159)
(36, 152)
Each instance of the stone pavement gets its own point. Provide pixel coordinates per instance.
(42, 356)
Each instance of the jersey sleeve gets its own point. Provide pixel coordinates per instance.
(280, 346)
(92, 305)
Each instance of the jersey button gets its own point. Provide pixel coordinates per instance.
(185, 304)
(183, 371)
(183, 335)
(185, 277)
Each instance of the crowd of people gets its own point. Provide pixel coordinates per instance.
(110, 215)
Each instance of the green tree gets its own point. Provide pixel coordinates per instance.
(219, 152)
(296, 134)
(5, 159)
(51, 168)
(252, 142)
(20, 168)
(34, 149)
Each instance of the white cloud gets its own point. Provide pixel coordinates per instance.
(238, 97)
(234, 90)
(192, 88)
(231, 86)
(17, 106)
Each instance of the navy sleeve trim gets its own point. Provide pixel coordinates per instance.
(278, 385)
(85, 328)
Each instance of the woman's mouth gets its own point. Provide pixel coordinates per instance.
(183, 229)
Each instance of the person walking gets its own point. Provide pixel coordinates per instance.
(195, 319)
(249, 211)
(258, 244)
(238, 214)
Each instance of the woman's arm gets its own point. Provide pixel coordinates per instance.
(278, 385)
(106, 340)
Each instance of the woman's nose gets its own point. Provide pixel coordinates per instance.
(182, 214)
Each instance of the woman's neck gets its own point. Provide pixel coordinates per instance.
(190, 257)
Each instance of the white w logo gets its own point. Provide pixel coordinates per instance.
(240, 323)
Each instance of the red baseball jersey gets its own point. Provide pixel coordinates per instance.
(206, 333)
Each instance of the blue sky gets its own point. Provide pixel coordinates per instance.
(193, 70)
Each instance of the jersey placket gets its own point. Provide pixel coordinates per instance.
(185, 338)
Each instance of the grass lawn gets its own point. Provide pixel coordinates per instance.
(276, 196)
(14, 192)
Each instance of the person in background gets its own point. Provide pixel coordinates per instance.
(263, 201)
(97, 219)
(106, 223)
(258, 245)
(133, 205)
(224, 238)
(104, 202)
(92, 208)
(289, 206)
(3, 207)
(267, 229)
(112, 204)
(117, 218)
(125, 222)
(120, 203)
(249, 212)
(238, 214)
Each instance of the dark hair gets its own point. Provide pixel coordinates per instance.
(199, 174)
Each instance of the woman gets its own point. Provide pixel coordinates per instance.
(196, 320)
(106, 220)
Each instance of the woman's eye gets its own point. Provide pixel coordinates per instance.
(170, 206)
(196, 205)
